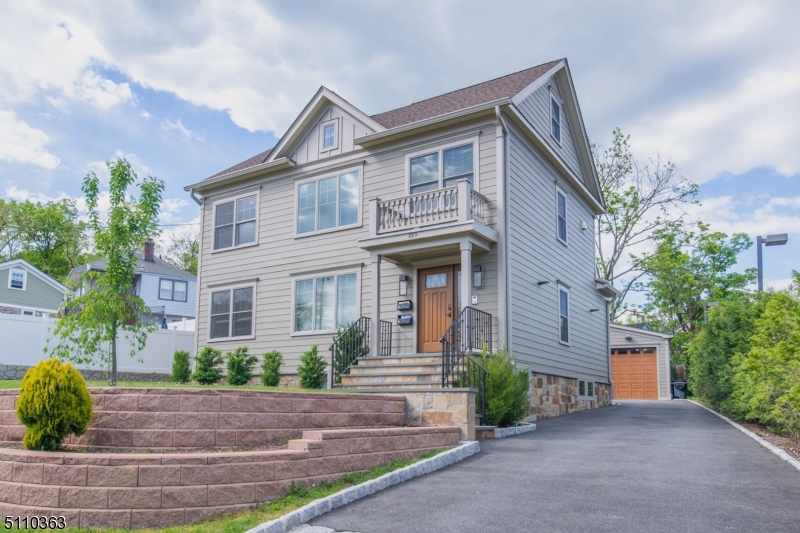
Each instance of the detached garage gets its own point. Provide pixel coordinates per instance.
(640, 367)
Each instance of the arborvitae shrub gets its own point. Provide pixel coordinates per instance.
(507, 400)
(181, 373)
(312, 369)
(240, 366)
(207, 371)
(271, 368)
(53, 403)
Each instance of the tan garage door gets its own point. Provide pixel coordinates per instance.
(634, 373)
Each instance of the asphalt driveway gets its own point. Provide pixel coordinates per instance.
(639, 467)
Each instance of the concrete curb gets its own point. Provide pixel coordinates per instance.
(771, 447)
(319, 507)
(501, 433)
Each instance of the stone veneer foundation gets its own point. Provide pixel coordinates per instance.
(156, 491)
(554, 396)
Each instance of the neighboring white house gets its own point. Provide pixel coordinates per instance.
(640, 366)
(26, 290)
(169, 292)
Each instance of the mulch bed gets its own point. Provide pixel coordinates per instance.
(208, 449)
(788, 444)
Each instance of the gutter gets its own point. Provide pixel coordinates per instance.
(384, 136)
(194, 197)
(278, 164)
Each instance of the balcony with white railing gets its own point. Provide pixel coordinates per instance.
(429, 215)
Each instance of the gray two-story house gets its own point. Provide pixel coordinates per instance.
(434, 227)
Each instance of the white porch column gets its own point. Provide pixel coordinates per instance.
(466, 274)
(375, 338)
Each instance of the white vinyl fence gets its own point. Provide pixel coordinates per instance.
(23, 339)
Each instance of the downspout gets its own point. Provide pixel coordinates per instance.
(608, 348)
(502, 221)
(199, 272)
(195, 198)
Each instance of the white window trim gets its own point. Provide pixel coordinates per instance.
(586, 388)
(24, 279)
(563, 288)
(561, 191)
(174, 281)
(321, 177)
(326, 273)
(231, 288)
(440, 148)
(257, 194)
(335, 122)
(554, 98)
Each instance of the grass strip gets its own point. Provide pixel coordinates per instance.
(17, 383)
(296, 497)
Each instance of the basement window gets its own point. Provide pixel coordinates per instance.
(586, 390)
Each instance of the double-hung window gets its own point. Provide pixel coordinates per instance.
(325, 303)
(170, 289)
(555, 118)
(561, 215)
(563, 314)
(17, 279)
(328, 203)
(442, 167)
(232, 313)
(235, 222)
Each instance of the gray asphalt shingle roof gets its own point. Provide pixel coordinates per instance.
(158, 267)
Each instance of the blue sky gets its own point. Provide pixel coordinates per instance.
(185, 90)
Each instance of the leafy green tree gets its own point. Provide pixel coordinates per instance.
(207, 366)
(93, 320)
(767, 380)
(640, 199)
(688, 268)
(240, 366)
(11, 228)
(182, 250)
(312, 369)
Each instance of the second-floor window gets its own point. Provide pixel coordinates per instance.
(16, 279)
(561, 215)
(441, 168)
(170, 289)
(555, 118)
(328, 203)
(235, 222)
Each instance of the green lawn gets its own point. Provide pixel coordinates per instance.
(295, 499)
(17, 383)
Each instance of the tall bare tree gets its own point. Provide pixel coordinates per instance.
(640, 198)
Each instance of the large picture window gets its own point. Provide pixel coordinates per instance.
(235, 222)
(232, 313)
(563, 314)
(325, 303)
(441, 168)
(328, 203)
(169, 289)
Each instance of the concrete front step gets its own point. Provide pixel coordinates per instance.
(380, 385)
(422, 358)
(405, 377)
(395, 368)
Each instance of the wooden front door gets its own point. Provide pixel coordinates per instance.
(438, 305)
(633, 371)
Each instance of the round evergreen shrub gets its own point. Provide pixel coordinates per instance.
(507, 399)
(53, 403)
(240, 366)
(181, 373)
(312, 369)
(271, 368)
(206, 370)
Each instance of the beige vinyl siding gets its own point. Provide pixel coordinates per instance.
(37, 294)
(644, 339)
(536, 109)
(279, 254)
(535, 254)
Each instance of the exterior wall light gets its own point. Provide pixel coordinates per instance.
(477, 276)
(403, 290)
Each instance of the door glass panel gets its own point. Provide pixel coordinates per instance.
(458, 289)
(457, 164)
(425, 173)
(433, 281)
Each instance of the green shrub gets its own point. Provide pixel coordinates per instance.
(53, 403)
(181, 373)
(507, 400)
(206, 370)
(271, 368)
(240, 366)
(312, 369)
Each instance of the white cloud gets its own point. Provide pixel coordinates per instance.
(168, 125)
(22, 143)
(170, 209)
(731, 215)
(98, 91)
(145, 114)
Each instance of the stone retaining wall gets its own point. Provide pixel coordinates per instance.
(18, 372)
(150, 490)
(554, 396)
(442, 407)
(192, 418)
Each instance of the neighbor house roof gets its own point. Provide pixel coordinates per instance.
(481, 93)
(642, 331)
(21, 263)
(158, 267)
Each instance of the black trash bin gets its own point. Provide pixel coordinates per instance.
(678, 390)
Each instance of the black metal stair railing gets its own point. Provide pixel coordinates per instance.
(469, 333)
(354, 342)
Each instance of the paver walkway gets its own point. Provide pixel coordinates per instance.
(638, 467)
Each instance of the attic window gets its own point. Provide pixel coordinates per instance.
(555, 117)
(17, 279)
(329, 135)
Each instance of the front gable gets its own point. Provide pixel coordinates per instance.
(40, 291)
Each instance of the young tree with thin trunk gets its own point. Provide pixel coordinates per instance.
(107, 305)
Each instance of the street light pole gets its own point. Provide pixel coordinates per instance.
(777, 239)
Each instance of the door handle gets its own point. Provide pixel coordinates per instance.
(449, 314)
